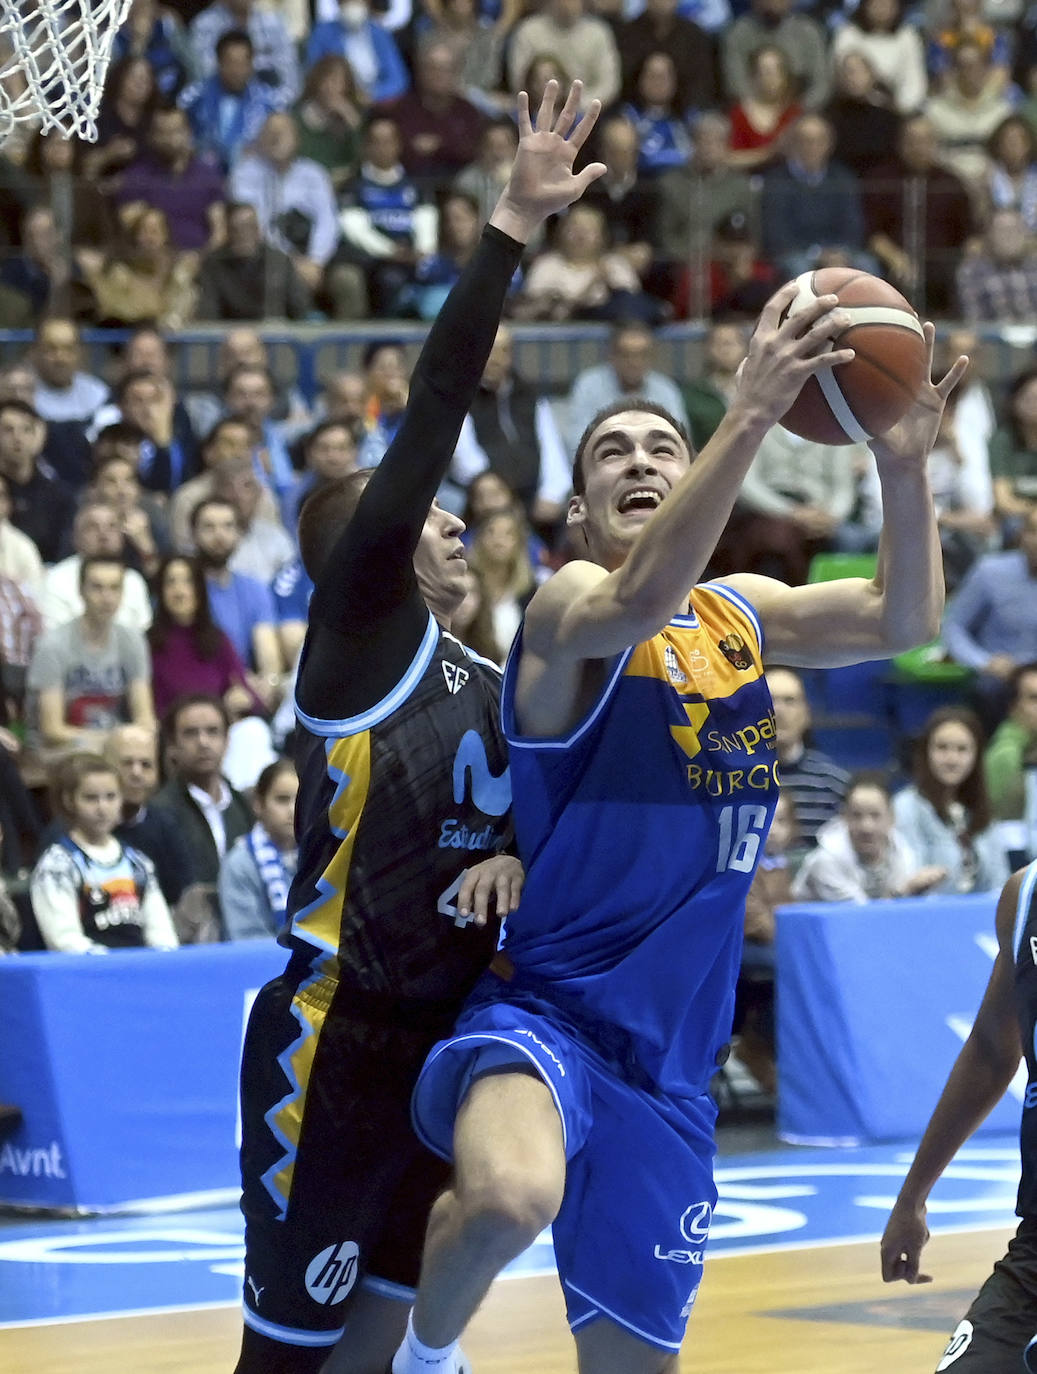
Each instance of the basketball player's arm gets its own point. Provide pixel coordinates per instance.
(977, 1082)
(367, 606)
(850, 620)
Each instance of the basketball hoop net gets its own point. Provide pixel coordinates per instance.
(54, 57)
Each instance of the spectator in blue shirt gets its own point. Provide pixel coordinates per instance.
(241, 606)
(657, 113)
(228, 109)
(991, 624)
(292, 589)
(385, 227)
(249, 394)
(370, 51)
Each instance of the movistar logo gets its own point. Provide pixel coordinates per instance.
(490, 793)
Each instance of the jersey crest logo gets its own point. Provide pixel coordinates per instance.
(673, 666)
(734, 649)
(455, 676)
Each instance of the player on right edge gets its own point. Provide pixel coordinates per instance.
(996, 1335)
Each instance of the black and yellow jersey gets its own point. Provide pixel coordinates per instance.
(394, 804)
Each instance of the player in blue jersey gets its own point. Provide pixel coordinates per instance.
(996, 1334)
(403, 789)
(641, 736)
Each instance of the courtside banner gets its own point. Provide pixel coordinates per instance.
(874, 1003)
(125, 1068)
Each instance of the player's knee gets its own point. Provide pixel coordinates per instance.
(507, 1212)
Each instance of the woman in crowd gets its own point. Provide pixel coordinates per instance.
(122, 122)
(500, 558)
(893, 47)
(189, 652)
(257, 871)
(658, 114)
(472, 622)
(145, 279)
(767, 109)
(329, 117)
(1010, 182)
(945, 814)
(860, 856)
(89, 892)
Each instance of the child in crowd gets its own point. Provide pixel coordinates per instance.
(89, 892)
(257, 872)
(860, 856)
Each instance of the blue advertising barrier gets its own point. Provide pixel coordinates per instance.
(873, 1005)
(125, 1068)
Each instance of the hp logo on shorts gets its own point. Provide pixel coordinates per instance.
(333, 1272)
(960, 1342)
(695, 1223)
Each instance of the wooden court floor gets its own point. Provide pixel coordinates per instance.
(823, 1310)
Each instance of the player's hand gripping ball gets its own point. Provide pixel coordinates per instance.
(858, 400)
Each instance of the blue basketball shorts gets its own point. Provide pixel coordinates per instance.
(639, 1195)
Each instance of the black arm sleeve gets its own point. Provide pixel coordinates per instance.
(367, 616)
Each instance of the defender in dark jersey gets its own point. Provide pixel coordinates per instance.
(403, 787)
(996, 1335)
(644, 774)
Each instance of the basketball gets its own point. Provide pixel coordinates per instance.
(853, 402)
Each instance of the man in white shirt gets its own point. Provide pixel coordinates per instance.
(63, 392)
(96, 533)
(292, 196)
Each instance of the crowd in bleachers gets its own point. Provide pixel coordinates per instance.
(334, 161)
(276, 163)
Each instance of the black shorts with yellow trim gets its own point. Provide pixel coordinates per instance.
(336, 1188)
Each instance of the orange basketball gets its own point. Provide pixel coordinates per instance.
(851, 403)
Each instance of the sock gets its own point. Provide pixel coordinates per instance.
(414, 1357)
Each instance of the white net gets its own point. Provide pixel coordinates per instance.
(54, 57)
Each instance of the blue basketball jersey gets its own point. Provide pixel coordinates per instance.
(640, 833)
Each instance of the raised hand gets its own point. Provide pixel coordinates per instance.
(912, 438)
(542, 180)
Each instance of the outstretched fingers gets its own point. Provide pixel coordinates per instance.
(546, 113)
(525, 124)
(953, 376)
(570, 110)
